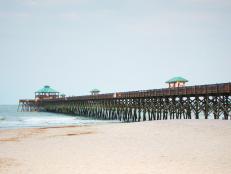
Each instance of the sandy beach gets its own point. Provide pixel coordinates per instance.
(160, 147)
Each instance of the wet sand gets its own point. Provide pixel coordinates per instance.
(160, 147)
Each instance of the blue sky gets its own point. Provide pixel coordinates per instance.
(77, 45)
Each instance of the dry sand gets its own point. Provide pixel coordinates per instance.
(158, 147)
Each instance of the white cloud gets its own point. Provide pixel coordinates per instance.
(172, 22)
(207, 2)
(50, 2)
(70, 15)
(15, 14)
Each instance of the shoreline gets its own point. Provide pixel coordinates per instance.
(167, 146)
(102, 122)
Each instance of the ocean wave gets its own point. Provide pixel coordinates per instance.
(10, 119)
(48, 120)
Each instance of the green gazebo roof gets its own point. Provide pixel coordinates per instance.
(47, 89)
(177, 79)
(95, 90)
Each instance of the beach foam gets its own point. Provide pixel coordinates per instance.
(11, 119)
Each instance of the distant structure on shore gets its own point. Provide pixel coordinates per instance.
(46, 93)
(176, 82)
(95, 92)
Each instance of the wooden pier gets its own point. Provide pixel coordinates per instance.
(28, 105)
(192, 102)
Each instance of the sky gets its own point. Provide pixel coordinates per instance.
(118, 45)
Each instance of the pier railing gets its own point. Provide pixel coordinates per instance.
(223, 88)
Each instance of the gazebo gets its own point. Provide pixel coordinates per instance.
(46, 93)
(176, 82)
(62, 95)
(94, 91)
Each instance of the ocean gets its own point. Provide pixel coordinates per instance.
(11, 119)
